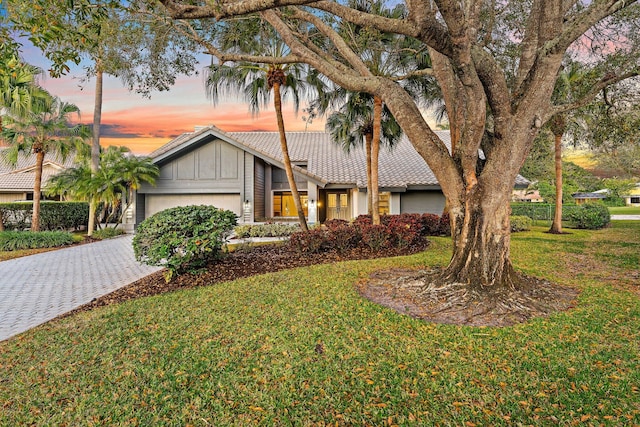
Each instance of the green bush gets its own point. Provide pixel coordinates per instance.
(520, 223)
(17, 240)
(183, 238)
(53, 215)
(107, 233)
(244, 231)
(591, 216)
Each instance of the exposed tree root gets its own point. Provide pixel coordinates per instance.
(423, 294)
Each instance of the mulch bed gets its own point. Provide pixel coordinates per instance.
(241, 263)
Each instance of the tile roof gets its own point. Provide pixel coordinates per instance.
(20, 177)
(399, 167)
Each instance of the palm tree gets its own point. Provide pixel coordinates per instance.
(18, 88)
(112, 186)
(564, 92)
(256, 81)
(41, 131)
(365, 115)
(354, 122)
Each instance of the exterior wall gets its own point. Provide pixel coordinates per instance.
(632, 200)
(215, 167)
(12, 197)
(259, 197)
(395, 203)
(359, 203)
(427, 201)
(158, 202)
(214, 173)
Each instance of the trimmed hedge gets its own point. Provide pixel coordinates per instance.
(265, 230)
(53, 215)
(541, 211)
(183, 238)
(18, 240)
(107, 233)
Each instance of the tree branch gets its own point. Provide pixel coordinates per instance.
(225, 9)
(607, 80)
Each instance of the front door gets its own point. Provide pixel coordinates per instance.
(338, 206)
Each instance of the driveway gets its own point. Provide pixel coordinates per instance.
(37, 288)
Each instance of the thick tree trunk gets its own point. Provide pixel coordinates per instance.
(277, 101)
(95, 144)
(375, 152)
(481, 241)
(37, 189)
(367, 147)
(556, 225)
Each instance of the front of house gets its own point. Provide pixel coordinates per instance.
(17, 181)
(243, 172)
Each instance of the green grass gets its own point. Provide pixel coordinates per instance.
(244, 352)
(625, 210)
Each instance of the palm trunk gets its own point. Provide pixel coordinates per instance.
(37, 188)
(277, 101)
(556, 225)
(375, 151)
(95, 145)
(367, 146)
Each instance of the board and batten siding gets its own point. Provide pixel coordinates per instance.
(259, 189)
(212, 173)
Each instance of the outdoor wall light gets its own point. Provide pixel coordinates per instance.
(247, 204)
(312, 202)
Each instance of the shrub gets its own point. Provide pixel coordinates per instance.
(183, 238)
(405, 229)
(17, 240)
(107, 233)
(343, 237)
(520, 223)
(445, 225)
(265, 230)
(590, 216)
(53, 215)
(430, 224)
(333, 224)
(375, 236)
(309, 242)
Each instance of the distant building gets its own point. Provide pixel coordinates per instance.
(528, 196)
(632, 198)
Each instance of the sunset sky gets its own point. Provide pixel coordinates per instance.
(144, 124)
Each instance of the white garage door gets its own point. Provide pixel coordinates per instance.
(159, 202)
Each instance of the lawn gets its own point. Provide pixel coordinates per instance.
(625, 210)
(301, 347)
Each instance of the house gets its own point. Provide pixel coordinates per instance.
(596, 196)
(243, 172)
(16, 181)
(632, 198)
(527, 196)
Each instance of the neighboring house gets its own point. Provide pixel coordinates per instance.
(528, 196)
(16, 181)
(243, 172)
(632, 198)
(596, 196)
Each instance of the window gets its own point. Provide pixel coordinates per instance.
(384, 203)
(283, 205)
(635, 200)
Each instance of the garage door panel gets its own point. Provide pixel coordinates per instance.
(158, 202)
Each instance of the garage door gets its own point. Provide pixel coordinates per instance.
(158, 202)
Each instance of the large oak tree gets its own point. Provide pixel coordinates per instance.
(496, 64)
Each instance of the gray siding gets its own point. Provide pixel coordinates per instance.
(427, 201)
(214, 167)
(259, 189)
